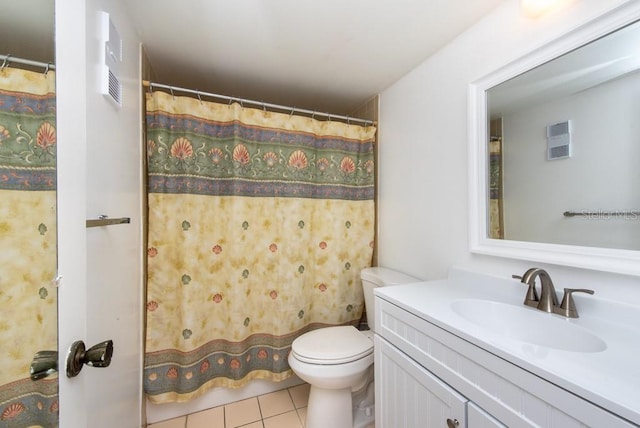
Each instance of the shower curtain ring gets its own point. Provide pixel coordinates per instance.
(329, 116)
(171, 90)
(5, 63)
(292, 111)
(198, 94)
(46, 70)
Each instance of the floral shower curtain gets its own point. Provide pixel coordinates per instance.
(259, 225)
(28, 304)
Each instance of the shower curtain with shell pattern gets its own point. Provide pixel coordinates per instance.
(28, 301)
(259, 225)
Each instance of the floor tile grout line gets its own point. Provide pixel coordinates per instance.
(295, 407)
(291, 398)
(248, 423)
(293, 404)
(260, 409)
(302, 424)
(224, 416)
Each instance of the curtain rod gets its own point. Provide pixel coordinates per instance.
(242, 101)
(8, 59)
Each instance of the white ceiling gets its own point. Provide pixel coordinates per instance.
(329, 55)
(324, 55)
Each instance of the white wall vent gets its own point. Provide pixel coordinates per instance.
(559, 140)
(111, 86)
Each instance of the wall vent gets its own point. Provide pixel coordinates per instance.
(111, 86)
(559, 140)
(115, 89)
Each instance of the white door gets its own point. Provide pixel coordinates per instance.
(99, 173)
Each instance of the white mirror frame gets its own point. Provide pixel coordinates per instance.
(601, 259)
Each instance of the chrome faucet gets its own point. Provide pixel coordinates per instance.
(548, 300)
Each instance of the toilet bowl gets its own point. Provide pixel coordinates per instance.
(338, 364)
(335, 361)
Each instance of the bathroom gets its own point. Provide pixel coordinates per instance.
(423, 225)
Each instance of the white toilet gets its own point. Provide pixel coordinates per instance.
(338, 362)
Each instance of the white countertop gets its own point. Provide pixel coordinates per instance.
(609, 378)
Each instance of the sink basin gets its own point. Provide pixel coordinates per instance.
(528, 325)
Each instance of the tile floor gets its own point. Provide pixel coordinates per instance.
(286, 408)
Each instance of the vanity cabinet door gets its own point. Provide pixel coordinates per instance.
(408, 396)
(478, 418)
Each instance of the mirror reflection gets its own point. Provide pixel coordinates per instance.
(28, 256)
(564, 148)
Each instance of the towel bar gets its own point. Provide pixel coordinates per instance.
(104, 221)
(632, 214)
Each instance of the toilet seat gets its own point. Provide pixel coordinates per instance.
(332, 345)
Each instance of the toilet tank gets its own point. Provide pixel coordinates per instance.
(379, 277)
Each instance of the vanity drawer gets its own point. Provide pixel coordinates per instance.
(515, 397)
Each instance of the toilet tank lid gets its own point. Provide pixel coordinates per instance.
(382, 276)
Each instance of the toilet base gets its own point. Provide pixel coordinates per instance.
(341, 408)
(329, 408)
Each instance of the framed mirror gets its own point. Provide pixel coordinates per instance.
(555, 151)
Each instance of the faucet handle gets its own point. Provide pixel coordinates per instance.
(568, 307)
(531, 298)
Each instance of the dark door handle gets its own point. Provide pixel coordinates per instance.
(97, 356)
(44, 363)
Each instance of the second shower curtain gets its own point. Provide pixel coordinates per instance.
(259, 225)
(28, 301)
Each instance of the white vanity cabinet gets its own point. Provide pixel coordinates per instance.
(414, 397)
(426, 376)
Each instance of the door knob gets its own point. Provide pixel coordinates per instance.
(97, 356)
(44, 363)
